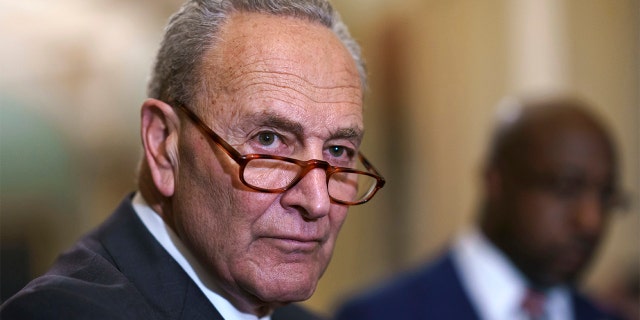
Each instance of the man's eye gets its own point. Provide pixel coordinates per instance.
(337, 151)
(343, 154)
(267, 138)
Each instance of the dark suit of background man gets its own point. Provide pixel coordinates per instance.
(550, 183)
(251, 135)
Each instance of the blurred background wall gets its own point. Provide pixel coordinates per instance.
(73, 76)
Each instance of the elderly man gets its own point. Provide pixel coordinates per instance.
(550, 183)
(251, 137)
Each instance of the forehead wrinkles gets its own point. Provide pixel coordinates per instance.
(259, 57)
(257, 79)
(238, 86)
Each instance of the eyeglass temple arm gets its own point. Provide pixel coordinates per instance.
(370, 167)
(230, 150)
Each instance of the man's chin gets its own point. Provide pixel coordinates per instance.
(282, 288)
(569, 273)
(284, 294)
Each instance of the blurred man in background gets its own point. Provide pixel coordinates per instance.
(550, 184)
(251, 139)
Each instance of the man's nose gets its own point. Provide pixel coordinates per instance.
(310, 195)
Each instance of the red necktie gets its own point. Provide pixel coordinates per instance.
(533, 305)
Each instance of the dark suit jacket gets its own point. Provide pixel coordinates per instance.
(433, 292)
(118, 271)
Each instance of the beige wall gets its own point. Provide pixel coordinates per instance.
(437, 70)
(454, 60)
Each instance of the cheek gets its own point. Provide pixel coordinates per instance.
(226, 215)
(337, 218)
(200, 212)
(211, 213)
(219, 228)
(546, 213)
(542, 222)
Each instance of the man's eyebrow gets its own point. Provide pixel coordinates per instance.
(350, 133)
(276, 121)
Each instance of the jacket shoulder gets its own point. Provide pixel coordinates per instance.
(84, 282)
(432, 291)
(65, 297)
(588, 309)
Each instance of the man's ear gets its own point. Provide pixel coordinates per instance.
(159, 129)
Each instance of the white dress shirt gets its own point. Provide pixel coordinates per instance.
(495, 286)
(174, 246)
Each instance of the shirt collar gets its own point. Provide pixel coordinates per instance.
(494, 285)
(196, 271)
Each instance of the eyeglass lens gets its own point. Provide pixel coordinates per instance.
(277, 174)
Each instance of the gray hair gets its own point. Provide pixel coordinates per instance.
(194, 29)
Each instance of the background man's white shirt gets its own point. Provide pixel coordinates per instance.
(495, 286)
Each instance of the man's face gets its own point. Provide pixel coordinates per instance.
(279, 86)
(555, 205)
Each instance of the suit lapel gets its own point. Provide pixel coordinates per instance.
(445, 277)
(157, 276)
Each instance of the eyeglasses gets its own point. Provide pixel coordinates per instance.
(275, 174)
(571, 188)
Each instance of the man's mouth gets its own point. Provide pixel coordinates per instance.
(294, 243)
